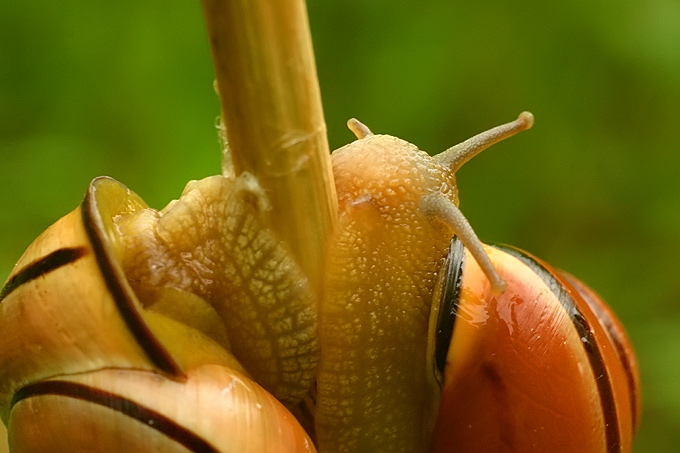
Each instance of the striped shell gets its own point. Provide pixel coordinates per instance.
(85, 366)
(543, 367)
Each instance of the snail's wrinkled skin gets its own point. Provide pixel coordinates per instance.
(212, 244)
(99, 346)
(381, 269)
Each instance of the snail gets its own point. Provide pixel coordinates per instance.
(397, 216)
(193, 328)
(87, 360)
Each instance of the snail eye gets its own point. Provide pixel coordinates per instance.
(445, 300)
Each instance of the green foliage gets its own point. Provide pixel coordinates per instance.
(125, 89)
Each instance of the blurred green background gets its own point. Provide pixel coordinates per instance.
(125, 89)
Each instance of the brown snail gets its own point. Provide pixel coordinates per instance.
(125, 322)
(545, 366)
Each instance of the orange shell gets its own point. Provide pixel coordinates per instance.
(533, 369)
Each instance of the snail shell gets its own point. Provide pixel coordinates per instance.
(84, 361)
(543, 367)
(214, 409)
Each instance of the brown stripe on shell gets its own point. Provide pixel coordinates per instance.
(121, 293)
(604, 386)
(42, 266)
(122, 405)
(616, 337)
(448, 305)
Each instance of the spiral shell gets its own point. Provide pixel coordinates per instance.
(543, 367)
(85, 363)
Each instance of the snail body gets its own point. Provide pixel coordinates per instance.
(397, 214)
(193, 328)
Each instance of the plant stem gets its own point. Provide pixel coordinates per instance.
(271, 105)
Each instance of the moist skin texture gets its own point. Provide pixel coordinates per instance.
(381, 270)
(212, 243)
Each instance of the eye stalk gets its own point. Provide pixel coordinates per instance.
(440, 207)
(358, 128)
(444, 209)
(457, 155)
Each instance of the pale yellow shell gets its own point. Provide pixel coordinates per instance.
(85, 360)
